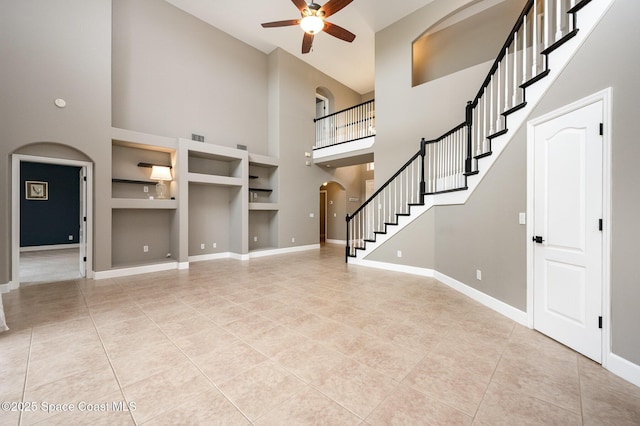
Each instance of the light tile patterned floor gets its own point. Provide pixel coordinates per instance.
(289, 340)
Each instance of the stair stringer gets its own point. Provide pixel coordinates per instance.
(558, 59)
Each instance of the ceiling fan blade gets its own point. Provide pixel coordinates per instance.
(333, 6)
(300, 4)
(281, 23)
(339, 32)
(307, 41)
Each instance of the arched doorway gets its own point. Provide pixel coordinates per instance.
(65, 254)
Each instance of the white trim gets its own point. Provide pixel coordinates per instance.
(49, 247)
(342, 242)
(624, 368)
(605, 97)
(183, 265)
(16, 159)
(135, 270)
(501, 307)
(396, 267)
(489, 301)
(273, 252)
(210, 256)
(7, 287)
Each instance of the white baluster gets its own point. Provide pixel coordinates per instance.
(558, 19)
(524, 50)
(506, 78)
(546, 18)
(491, 106)
(515, 69)
(498, 86)
(534, 41)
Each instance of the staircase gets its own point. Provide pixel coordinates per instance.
(446, 170)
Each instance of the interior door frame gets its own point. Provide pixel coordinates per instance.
(326, 222)
(603, 96)
(16, 160)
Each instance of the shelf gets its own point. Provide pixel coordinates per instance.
(264, 206)
(262, 160)
(143, 204)
(139, 182)
(214, 179)
(260, 190)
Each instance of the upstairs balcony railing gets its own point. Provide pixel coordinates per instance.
(357, 122)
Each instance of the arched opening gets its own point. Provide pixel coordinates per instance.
(333, 209)
(52, 219)
(325, 102)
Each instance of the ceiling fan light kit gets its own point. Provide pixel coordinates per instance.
(312, 24)
(313, 21)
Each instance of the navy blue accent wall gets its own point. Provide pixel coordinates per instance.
(46, 222)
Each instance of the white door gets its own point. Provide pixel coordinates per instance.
(567, 220)
(83, 222)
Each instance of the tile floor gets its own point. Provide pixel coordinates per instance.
(49, 265)
(292, 339)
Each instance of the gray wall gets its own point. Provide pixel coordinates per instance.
(174, 75)
(472, 41)
(292, 90)
(55, 50)
(484, 233)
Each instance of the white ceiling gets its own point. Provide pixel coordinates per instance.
(352, 64)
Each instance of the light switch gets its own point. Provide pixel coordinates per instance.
(522, 218)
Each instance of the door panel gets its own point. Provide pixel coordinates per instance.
(568, 207)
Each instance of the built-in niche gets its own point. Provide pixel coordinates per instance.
(470, 37)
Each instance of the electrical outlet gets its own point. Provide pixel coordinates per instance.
(70, 237)
(399, 253)
(312, 215)
(293, 239)
(145, 189)
(215, 245)
(255, 239)
(478, 274)
(145, 249)
(335, 215)
(202, 246)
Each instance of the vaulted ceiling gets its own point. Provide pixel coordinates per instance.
(352, 64)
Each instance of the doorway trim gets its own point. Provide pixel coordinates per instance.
(16, 160)
(603, 96)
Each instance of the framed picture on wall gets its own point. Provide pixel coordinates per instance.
(35, 190)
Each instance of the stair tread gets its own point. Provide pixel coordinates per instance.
(560, 42)
(484, 154)
(535, 79)
(498, 133)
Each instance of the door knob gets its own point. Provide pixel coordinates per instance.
(537, 239)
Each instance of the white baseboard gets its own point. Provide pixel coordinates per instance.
(273, 252)
(502, 308)
(252, 254)
(425, 272)
(342, 242)
(623, 368)
(211, 256)
(490, 302)
(7, 287)
(135, 270)
(49, 247)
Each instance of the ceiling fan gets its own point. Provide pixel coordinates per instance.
(313, 21)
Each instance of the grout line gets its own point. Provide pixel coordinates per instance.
(26, 375)
(104, 348)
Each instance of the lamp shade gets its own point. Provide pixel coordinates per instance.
(161, 173)
(312, 24)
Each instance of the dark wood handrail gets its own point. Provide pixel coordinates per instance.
(344, 110)
(416, 155)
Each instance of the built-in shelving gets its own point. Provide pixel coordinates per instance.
(132, 203)
(209, 210)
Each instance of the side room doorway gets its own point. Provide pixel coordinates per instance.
(51, 236)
